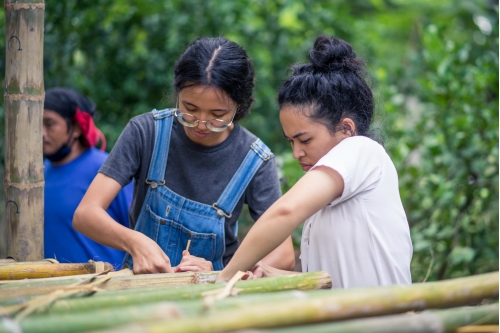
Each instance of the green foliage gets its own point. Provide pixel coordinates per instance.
(434, 67)
(447, 155)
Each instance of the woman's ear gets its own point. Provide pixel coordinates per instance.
(77, 131)
(348, 126)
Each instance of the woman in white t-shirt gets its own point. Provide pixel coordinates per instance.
(356, 228)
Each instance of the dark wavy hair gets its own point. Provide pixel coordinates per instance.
(218, 63)
(331, 87)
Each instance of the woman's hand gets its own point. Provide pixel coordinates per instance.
(191, 263)
(261, 270)
(148, 257)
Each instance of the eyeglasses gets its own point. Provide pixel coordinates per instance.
(215, 125)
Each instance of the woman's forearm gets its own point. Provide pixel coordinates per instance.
(271, 230)
(94, 222)
(311, 193)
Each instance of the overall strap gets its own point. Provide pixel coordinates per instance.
(163, 129)
(258, 154)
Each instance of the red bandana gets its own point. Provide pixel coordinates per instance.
(89, 131)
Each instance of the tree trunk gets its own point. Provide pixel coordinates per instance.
(23, 99)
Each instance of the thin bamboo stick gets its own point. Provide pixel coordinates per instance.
(24, 288)
(331, 306)
(34, 271)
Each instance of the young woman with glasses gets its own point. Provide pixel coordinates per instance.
(356, 228)
(193, 167)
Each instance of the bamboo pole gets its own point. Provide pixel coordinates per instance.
(303, 281)
(437, 321)
(321, 306)
(23, 101)
(24, 288)
(34, 271)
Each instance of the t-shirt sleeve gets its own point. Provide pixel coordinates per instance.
(359, 161)
(264, 189)
(124, 160)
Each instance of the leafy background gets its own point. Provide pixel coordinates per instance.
(433, 65)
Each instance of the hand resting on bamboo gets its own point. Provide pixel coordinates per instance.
(261, 270)
(191, 263)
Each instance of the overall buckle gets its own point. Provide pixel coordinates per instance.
(220, 212)
(154, 184)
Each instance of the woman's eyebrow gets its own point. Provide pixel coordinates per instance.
(194, 105)
(296, 135)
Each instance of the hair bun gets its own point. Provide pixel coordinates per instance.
(330, 54)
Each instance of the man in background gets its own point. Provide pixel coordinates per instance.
(71, 163)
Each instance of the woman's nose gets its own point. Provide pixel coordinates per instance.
(298, 152)
(202, 125)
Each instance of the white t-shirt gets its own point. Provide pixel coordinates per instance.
(362, 238)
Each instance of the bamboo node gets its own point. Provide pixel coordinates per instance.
(17, 6)
(24, 186)
(23, 97)
(99, 266)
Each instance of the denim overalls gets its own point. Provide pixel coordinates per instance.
(171, 220)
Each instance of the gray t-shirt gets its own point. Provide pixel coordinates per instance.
(193, 171)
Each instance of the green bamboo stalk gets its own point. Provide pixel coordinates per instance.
(428, 321)
(303, 281)
(437, 321)
(107, 318)
(169, 311)
(330, 306)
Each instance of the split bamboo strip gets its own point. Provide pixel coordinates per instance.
(330, 306)
(437, 321)
(302, 281)
(30, 271)
(43, 286)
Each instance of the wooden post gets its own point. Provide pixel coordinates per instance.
(23, 99)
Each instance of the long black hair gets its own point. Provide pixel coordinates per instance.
(332, 87)
(218, 63)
